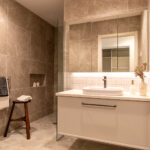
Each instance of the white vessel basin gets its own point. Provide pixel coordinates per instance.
(111, 91)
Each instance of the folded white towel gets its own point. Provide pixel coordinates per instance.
(24, 98)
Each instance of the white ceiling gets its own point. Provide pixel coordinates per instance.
(49, 10)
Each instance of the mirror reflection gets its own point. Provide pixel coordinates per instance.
(118, 58)
(111, 45)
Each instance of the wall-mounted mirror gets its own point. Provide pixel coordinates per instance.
(117, 44)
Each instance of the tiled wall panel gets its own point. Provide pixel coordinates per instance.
(26, 47)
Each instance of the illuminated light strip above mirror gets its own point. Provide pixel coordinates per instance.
(101, 74)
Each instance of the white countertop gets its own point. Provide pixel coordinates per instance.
(126, 96)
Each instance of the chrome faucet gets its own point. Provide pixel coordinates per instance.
(105, 82)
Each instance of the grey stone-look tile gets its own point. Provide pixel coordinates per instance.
(3, 65)
(73, 9)
(135, 4)
(26, 47)
(105, 7)
(17, 14)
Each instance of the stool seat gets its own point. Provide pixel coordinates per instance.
(24, 98)
(20, 101)
(24, 118)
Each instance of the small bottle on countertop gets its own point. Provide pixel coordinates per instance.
(132, 88)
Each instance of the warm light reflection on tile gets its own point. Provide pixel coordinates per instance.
(1, 20)
(100, 74)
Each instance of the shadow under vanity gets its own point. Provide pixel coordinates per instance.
(106, 47)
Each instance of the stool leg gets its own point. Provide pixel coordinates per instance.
(27, 120)
(9, 120)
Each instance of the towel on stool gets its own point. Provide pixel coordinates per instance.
(24, 98)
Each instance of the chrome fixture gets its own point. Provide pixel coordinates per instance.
(105, 82)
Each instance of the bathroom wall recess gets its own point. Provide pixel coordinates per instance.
(26, 51)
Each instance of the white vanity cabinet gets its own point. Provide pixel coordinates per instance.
(133, 117)
(69, 116)
(120, 122)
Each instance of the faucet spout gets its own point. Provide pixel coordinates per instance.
(105, 82)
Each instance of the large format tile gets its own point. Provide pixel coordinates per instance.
(80, 10)
(3, 65)
(18, 72)
(26, 47)
(94, 60)
(104, 27)
(136, 4)
(50, 33)
(75, 9)
(50, 49)
(106, 7)
(36, 46)
(37, 25)
(3, 27)
(17, 14)
(18, 41)
(80, 31)
(36, 67)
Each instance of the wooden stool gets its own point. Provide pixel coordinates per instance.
(25, 118)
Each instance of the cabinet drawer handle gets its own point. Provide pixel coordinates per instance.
(99, 105)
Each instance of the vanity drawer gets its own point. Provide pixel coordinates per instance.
(99, 119)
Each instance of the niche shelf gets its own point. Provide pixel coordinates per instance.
(35, 78)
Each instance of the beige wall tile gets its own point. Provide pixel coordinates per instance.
(3, 65)
(26, 47)
(17, 14)
(75, 9)
(135, 4)
(81, 10)
(106, 7)
(3, 35)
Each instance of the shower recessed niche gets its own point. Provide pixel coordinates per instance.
(37, 80)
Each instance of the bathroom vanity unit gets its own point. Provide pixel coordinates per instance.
(120, 120)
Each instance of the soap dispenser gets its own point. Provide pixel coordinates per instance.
(132, 88)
